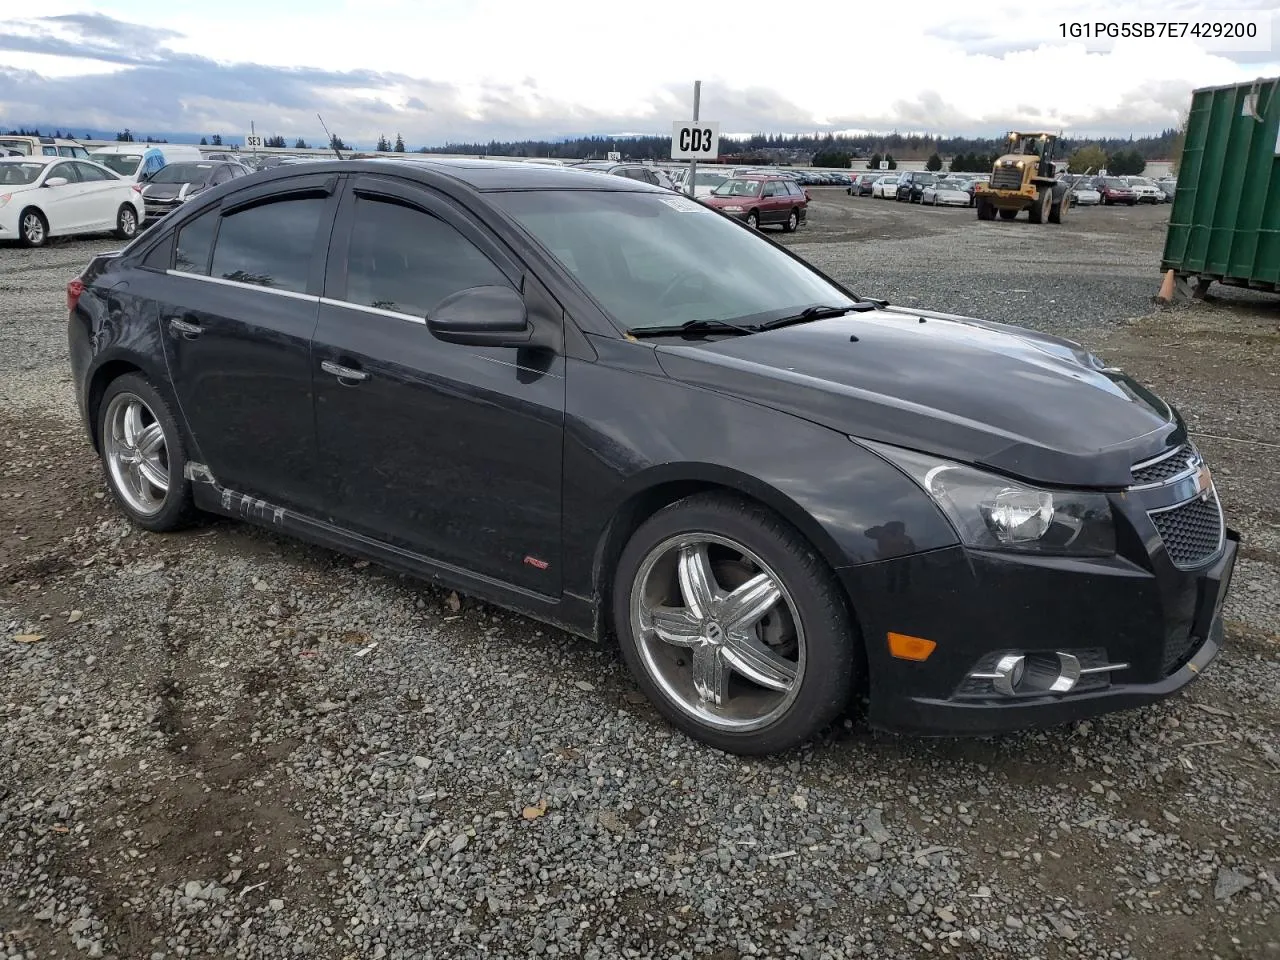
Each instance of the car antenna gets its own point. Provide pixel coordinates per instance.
(332, 145)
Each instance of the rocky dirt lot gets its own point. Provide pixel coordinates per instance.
(224, 744)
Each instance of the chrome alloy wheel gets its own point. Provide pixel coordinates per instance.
(717, 631)
(135, 453)
(33, 229)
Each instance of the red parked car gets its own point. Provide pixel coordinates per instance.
(1115, 190)
(758, 199)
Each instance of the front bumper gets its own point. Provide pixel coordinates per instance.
(1162, 624)
(155, 209)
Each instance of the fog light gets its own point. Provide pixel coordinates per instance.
(1017, 673)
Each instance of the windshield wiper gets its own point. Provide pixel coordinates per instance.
(693, 327)
(819, 312)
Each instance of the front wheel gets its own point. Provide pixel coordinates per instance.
(985, 210)
(143, 455)
(753, 220)
(126, 222)
(33, 229)
(733, 626)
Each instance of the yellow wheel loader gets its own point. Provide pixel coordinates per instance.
(1023, 179)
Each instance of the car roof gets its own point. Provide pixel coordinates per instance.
(487, 175)
(33, 159)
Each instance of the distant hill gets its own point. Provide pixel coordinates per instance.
(775, 148)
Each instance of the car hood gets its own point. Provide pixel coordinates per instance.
(1023, 403)
(716, 201)
(169, 191)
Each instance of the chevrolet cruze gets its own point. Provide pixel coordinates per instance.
(625, 414)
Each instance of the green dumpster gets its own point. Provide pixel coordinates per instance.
(1225, 222)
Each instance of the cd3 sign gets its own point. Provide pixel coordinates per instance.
(695, 140)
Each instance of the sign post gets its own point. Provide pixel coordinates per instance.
(252, 142)
(694, 140)
(614, 155)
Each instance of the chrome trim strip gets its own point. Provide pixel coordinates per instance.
(1142, 465)
(376, 311)
(243, 286)
(1194, 461)
(1109, 667)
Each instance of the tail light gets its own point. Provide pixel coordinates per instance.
(74, 289)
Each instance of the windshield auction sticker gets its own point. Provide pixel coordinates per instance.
(1223, 31)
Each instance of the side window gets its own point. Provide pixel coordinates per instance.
(407, 261)
(160, 257)
(195, 243)
(221, 175)
(771, 189)
(67, 170)
(88, 172)
(49, 151)
(793, 188)
(80, 153)
(66, 152)
(270, 245)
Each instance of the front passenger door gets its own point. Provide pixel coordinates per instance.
(452, 452)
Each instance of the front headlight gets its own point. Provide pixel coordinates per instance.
(991, 512)
(732, 208)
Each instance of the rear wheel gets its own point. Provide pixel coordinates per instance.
(126, 222)
(143, 455)
(733, 626)
(793, 221)
(985, 210)
(33, 229)
(1008, 214)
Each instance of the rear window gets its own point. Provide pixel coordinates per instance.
(125, 164)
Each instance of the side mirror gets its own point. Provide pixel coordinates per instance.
(56, 182)
(489, 316)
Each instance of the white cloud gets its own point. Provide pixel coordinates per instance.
(440, 69)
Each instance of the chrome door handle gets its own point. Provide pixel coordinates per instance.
(341, 372)
(184, 329)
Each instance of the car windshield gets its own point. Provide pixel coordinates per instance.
(708, 179)
(16, 174)
(183, 173)
(1115, 183)
(652, 260)
(125, 164)
(738, 188)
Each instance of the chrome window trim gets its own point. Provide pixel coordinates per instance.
(376, 311)
(244, 286)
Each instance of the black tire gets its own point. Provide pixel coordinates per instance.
(831, 639)
(29, 236)
(1058, 212)
(793, 222)
(1039, 211)
(753, 220)
(1008, 214)
(126, 222)
(178, 508)
(985, 210)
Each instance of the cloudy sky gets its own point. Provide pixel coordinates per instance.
(454, 70)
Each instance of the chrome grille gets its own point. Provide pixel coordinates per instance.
(1192, 532)
(1006, 178)
(1151, 473)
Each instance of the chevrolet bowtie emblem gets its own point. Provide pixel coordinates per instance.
(1204, 480)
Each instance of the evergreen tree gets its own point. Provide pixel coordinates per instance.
(933, 163)
(399, 147)
(216, 140)
(204, 142)
(300, 144)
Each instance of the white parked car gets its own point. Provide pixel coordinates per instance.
(138, 161)
(704, 181)
(43, 197)
(1146, 190)
(945, 193)
(1083, 194)
(886, 188)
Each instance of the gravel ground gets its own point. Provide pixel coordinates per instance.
(228, 744)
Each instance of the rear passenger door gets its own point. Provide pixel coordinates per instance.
(237, 310)
(100, 194)
(772, 206)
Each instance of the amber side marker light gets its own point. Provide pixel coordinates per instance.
(905, 647)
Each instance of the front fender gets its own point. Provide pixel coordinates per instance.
(852, 506)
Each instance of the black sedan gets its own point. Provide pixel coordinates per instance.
(618, 411)
(176, 183)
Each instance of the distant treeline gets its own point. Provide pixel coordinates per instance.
(777, 146)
